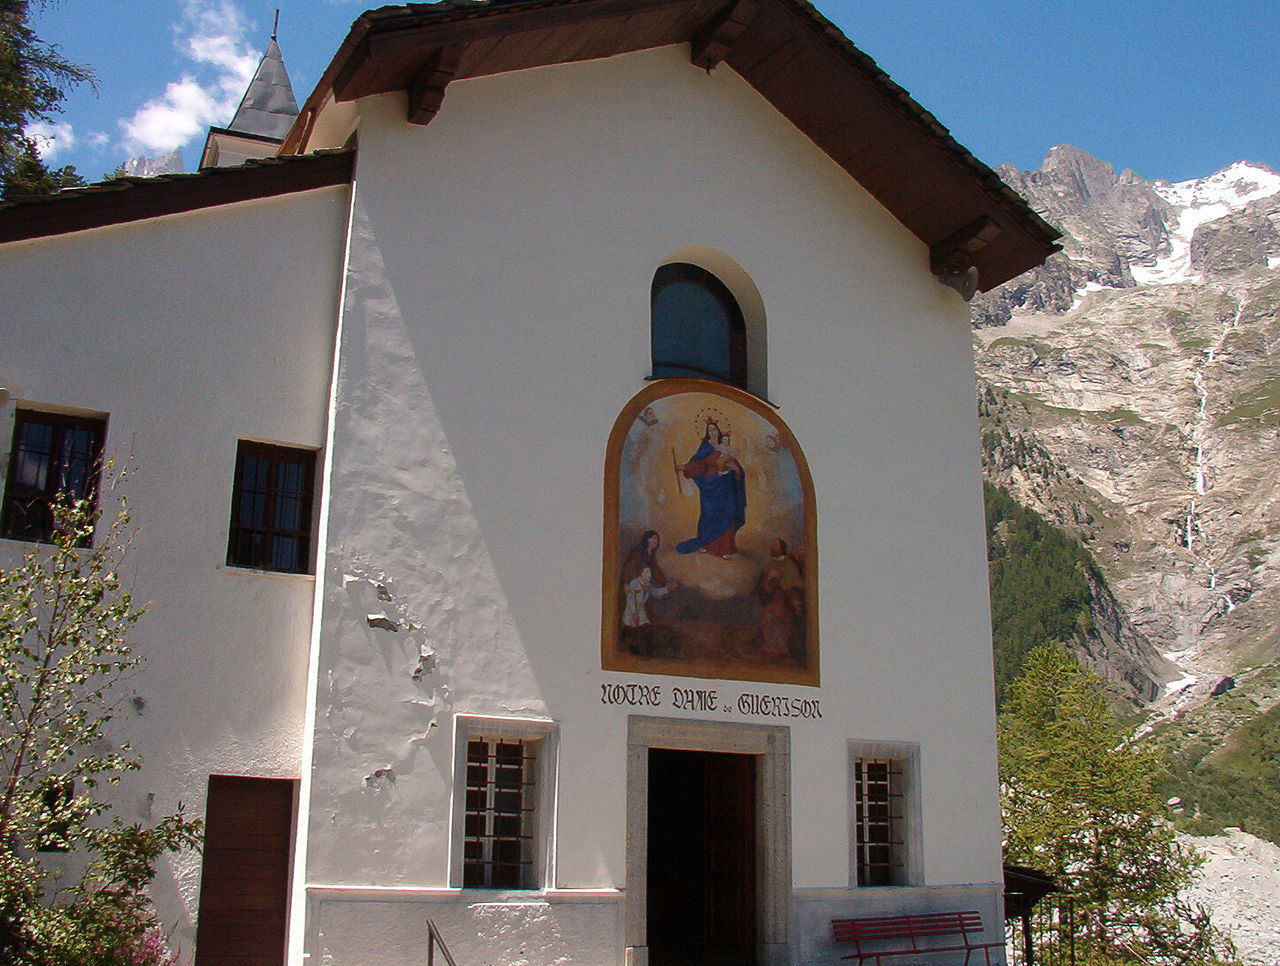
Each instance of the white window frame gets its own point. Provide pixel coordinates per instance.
(909, 868)
(545, 734)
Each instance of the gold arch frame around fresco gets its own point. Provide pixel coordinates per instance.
(688, 633)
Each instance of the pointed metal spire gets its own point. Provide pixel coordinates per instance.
(269, 107)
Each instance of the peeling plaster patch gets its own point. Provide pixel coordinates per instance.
(426, 662)
(383, 593)
(383, 621)
(381, 774)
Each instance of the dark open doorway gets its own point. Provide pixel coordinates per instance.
(702, 859)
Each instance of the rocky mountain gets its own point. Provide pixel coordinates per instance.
(1130, 392)
(145, 167)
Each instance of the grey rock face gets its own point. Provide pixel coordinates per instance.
(1130, 392)
(1233, 244)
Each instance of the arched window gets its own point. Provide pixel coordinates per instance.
(697, 328)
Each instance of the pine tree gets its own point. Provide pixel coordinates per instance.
(30, 176)
(1079, 803)
(34, 78)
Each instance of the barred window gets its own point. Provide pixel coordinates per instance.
(52, 455)
(879, 821)
(271, 508)
(500, 822)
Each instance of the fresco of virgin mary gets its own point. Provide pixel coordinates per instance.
(704, 484)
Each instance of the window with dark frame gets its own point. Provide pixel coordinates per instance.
(696, 326)
(500, 821)
(878, 821)
(271, 508)
(52, 454)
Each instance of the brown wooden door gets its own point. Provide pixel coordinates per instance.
(701, 861)
(244, 878)
(729, 814)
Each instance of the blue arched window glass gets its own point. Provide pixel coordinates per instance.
(697, 326)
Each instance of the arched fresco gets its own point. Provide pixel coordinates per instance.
(710, 551)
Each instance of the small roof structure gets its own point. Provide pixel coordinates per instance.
(1023, 888)
(265, 115)
(268, 108)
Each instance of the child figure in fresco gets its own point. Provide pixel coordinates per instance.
(722, 494)
(642, 579)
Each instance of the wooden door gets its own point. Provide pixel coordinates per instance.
(701, 888)
(244, 878)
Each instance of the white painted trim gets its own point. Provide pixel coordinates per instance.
(913, 838)
(254, 572)
(546, 733)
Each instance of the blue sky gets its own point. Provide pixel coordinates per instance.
(1172, 89)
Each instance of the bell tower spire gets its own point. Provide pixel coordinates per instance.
(266, 112)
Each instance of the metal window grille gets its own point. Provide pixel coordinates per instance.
(498, 837)
(878, 821)
(271, 508)
(52, 455)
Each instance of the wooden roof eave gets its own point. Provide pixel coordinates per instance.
(784, 48)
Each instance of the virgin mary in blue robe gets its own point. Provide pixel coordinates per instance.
(722, 497)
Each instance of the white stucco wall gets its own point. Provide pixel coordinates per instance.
(190, 331)
(495, 321)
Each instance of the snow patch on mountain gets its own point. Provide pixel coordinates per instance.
(1204, 200)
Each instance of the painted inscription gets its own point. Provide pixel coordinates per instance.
(710, 699)
(710, 565)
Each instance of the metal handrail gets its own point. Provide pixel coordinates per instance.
(433, 939)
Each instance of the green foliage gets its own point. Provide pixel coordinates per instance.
(34, 77)
(65, 622)
(1039, 584)
(1232, 783)
(1081, 805)
(30, 176)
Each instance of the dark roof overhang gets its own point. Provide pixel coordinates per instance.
(797, 59)
(133, 199)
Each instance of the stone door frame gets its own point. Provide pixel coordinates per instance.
(772, 745)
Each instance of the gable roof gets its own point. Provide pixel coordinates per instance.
(793, 56)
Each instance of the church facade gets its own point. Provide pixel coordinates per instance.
(557, 484)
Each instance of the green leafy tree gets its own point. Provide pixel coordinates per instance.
(34, 78)
(31, 176)
(1079, 803)
(65, 625)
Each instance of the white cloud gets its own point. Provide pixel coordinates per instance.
(52, 138)
(98, 139)
(211, 34)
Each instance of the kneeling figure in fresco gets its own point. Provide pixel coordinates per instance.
(642, 578)
(781, 591)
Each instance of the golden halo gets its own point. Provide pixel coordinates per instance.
(716, 416)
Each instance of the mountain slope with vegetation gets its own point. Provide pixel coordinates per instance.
(1129, 394)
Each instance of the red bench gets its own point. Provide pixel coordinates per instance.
(914, 934)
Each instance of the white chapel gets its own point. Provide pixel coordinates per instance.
(554, 457)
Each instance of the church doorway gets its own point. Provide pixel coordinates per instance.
(701, 863)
